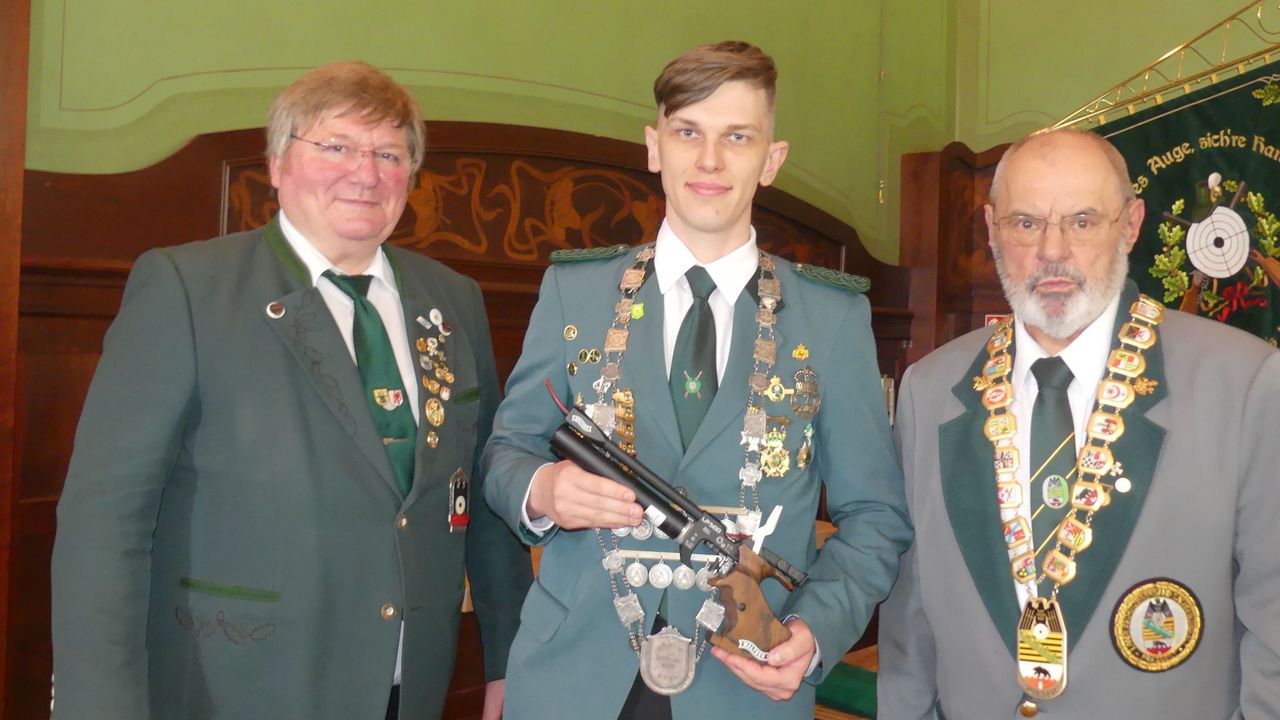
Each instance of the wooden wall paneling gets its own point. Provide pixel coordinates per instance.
(15, 22)
(953, 284)
(492, 202)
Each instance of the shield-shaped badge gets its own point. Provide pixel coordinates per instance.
(667, 661)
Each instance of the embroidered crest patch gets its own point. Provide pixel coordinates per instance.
(1156, 625)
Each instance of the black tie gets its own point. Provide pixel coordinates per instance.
(693, 364)
(1053, 447)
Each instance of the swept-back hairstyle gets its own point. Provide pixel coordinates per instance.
(697, 73)
(345, 89)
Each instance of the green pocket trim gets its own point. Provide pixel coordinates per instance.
(469, 395)
(230, 591)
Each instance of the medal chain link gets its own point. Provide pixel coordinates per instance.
(1134, 337)
(603, 385)
(997, 353)
(766, 307)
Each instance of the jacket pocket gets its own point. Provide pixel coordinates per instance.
(228, 591)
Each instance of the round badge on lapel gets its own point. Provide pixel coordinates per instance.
(275, 310)
(1156, 625)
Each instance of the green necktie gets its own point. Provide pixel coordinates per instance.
(384, 389)
(693, 364)
(1053, 449)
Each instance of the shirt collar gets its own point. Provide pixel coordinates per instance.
(731, 273)
(316, 263)
(1086, 356)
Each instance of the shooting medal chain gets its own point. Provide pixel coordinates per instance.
(668, 660)
(763, 448)
(1042, 632)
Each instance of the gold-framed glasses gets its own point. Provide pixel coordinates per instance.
(1079, 229)
(348, 157)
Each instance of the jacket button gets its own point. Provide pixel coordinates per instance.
(1028, 709)
(403, 522)
(388, 611)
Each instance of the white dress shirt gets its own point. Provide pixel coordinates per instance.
(1086, 356)
(731, 273)
(385, 298)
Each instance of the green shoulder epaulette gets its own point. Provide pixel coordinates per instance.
(575, 255)
(833, 278)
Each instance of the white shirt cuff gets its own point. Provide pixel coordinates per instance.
(543, 524)
(817, 651)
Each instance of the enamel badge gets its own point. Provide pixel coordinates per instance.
(388, 399)
(1042, 649)
(459, 501)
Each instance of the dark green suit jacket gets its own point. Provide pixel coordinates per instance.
(231, 539)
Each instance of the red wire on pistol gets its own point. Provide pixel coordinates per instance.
(555, 397)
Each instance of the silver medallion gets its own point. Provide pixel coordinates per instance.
(730, 527)
(749, 475)
(749, 522)
(637, 574)
(703, 579)
(613, 561)
(684, 577)
(628, 609)
(711, 615)
(643, 531)
(622, 531)
(658, 533)
(667, 661)
(660, 576)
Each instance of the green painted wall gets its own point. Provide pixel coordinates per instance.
(123, 84)
(1024, 65)
(120, 85)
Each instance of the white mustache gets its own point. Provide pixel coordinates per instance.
(1055, 271)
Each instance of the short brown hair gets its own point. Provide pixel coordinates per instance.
(345, 88)
(697, 73)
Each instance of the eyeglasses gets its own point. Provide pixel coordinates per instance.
(1080, 229)
(348, 157)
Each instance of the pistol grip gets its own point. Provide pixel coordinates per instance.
(750, 628)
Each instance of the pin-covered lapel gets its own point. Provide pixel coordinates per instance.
(644, 368)
(306, 327)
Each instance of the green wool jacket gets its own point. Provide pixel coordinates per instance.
(232, 542)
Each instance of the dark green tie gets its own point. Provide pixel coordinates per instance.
(693, 364)
(1053, 448)
(384, 389)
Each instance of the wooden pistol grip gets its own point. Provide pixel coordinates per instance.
(750, 628)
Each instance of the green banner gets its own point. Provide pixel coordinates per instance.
(1207, 166)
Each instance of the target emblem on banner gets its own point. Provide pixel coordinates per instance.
(1218, 246)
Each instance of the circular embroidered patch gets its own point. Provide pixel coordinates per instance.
(1156, 625)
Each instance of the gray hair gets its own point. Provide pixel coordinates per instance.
(345, 88)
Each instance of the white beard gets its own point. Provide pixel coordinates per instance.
(1062, 315)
